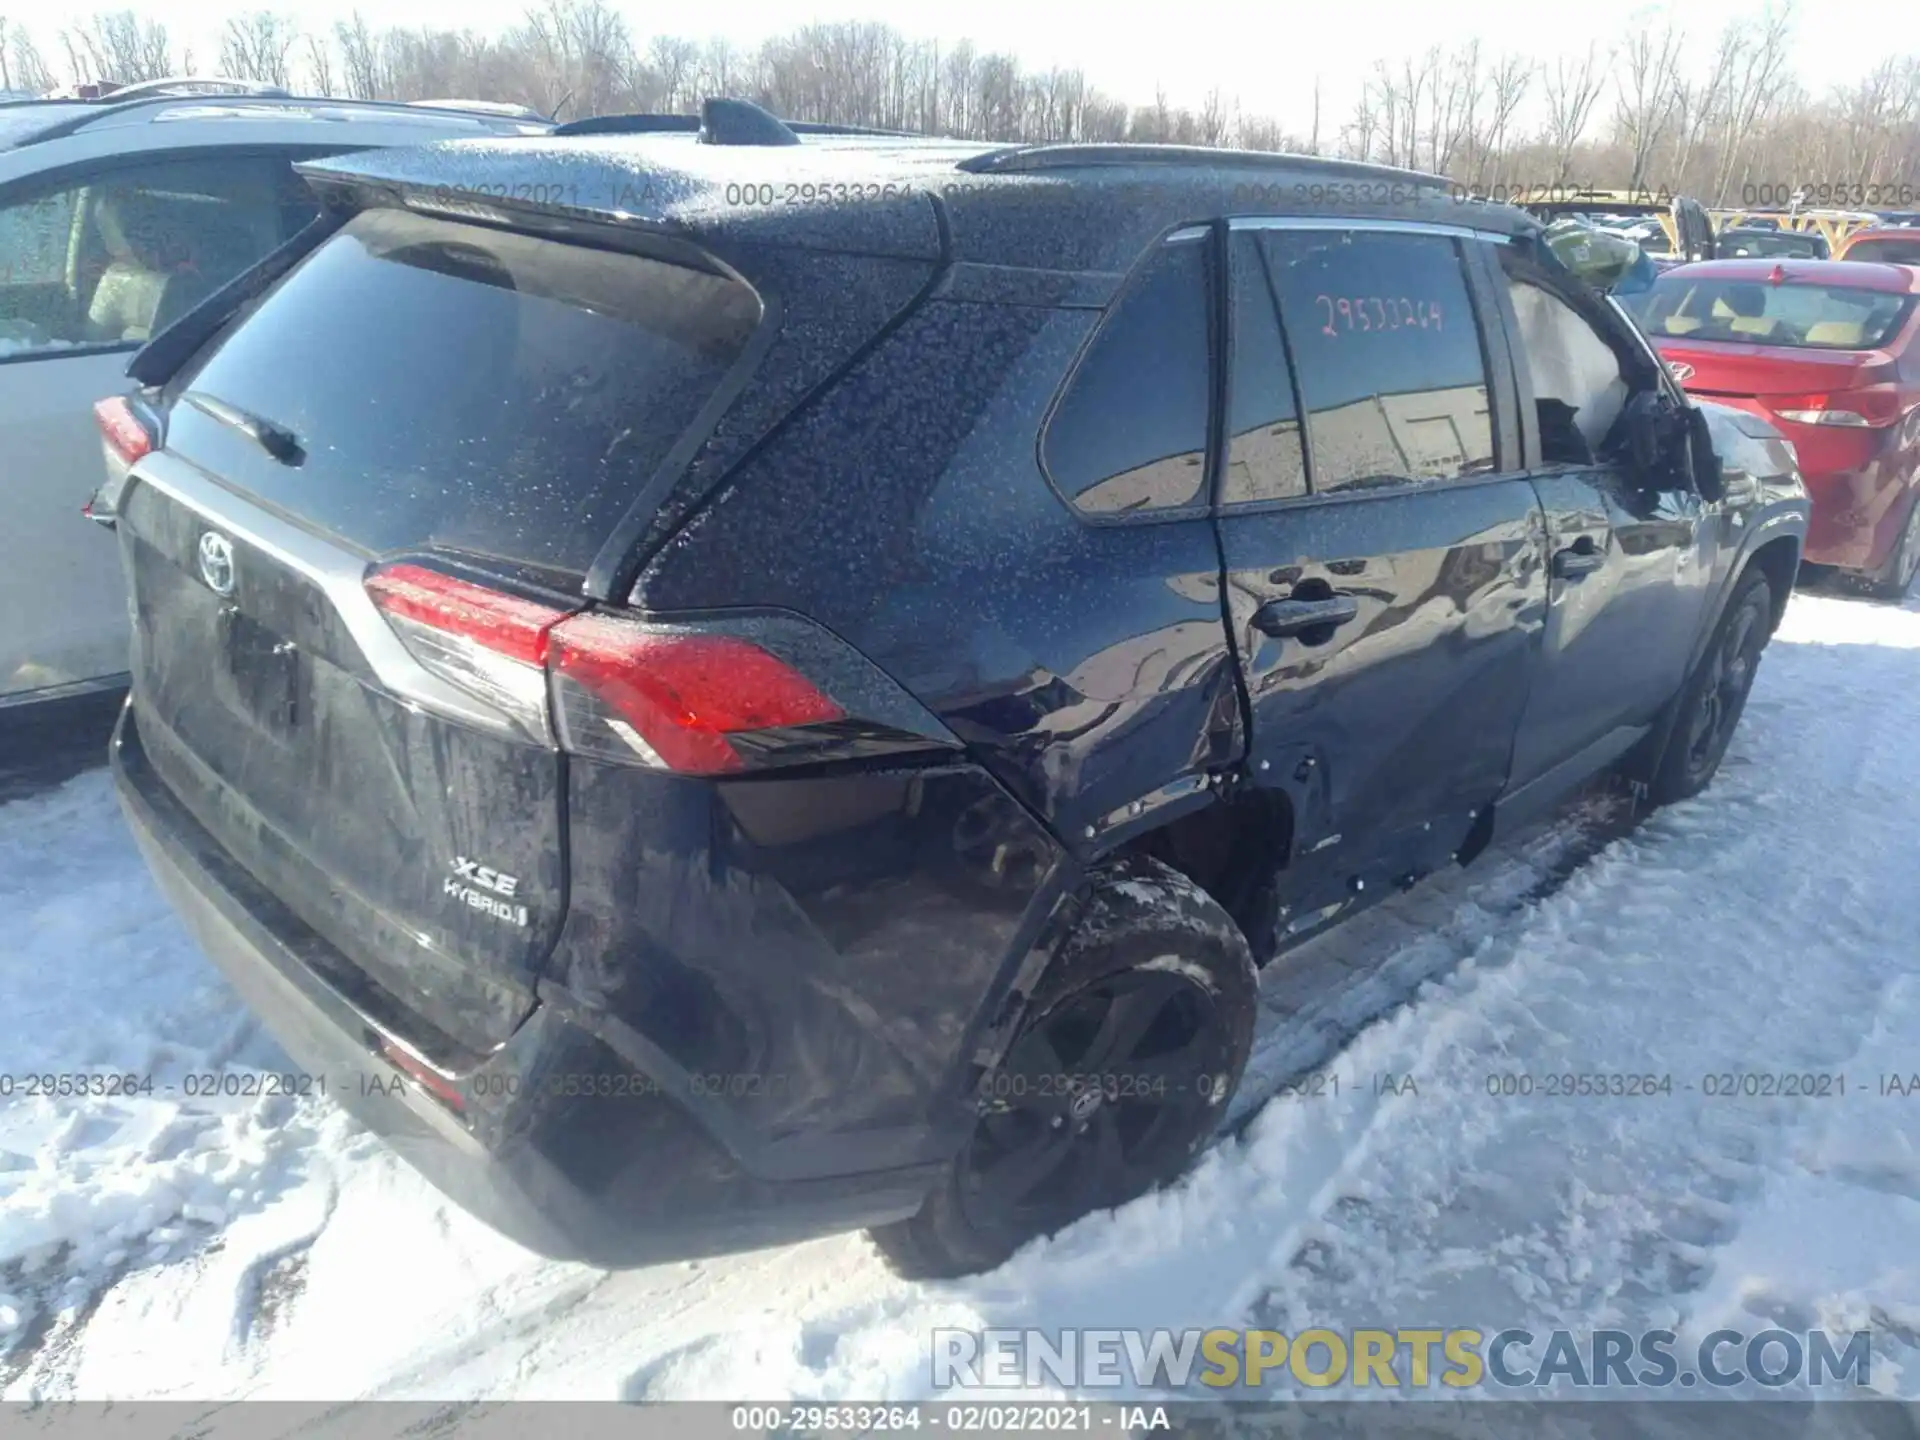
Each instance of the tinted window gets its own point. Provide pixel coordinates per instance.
(1755, 312)
(1130, 433)
(1387, 352)
(114, 257)
(469, 388)
(1264, 456)
(1891, 250)
(1736, 244)
(1578, 390)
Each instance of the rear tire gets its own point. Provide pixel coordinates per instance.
(1710, 705)
(1133, 1042)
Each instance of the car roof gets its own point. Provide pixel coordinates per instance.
(24, 123)
(1050, 207)
(1845, 274)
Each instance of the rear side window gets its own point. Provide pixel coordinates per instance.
(1388, 355)
(1891, 250)
(1130, 432)
(465, 388)
(1784, 244)
(116, 255)
(1265, 460)
(1756, 312)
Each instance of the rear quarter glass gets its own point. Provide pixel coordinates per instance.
(462, 388)
(1892, 250)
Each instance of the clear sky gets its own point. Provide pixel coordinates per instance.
(1265, 53)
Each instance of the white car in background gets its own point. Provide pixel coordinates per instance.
(117, 216)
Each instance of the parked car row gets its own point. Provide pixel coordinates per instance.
(116, 217)
(1829, 352)
(714, 721)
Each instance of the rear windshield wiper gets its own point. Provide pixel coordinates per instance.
(271, 436)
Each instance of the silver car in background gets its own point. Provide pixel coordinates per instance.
(117, 216)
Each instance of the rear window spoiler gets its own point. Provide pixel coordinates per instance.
(162, 357)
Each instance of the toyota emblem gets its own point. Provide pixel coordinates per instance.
(1681, 370)
(216, 563)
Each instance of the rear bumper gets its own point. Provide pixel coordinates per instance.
(1857, 516)
(561, 1145)
(1858, 482)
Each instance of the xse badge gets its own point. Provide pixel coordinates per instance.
(480, 887)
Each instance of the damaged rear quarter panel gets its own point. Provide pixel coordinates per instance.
(1087, 666)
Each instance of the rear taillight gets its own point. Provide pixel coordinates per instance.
(126, 437)
(689, 699)
(442, 1087)
(491, 645)
(1870, 407)
(672, 700)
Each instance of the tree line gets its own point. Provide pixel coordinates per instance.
(1714, 116)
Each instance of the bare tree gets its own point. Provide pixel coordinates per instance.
(117, 48)
(1453, 107)
(256, 46)
(675, 65)
(1757, 72)
(1511, 79)
(21, 68)
(581, 56)
(1647, 86)
(1573, 90)
(320, 65)
(1366, 126)
(359, 58)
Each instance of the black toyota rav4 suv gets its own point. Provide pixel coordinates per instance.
(717, 687)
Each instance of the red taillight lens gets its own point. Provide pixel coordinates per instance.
(491, 645)
(619, 690)
(671, 700)
(505, 624)
(432, 1081)
(121, 429)
(1873, 406)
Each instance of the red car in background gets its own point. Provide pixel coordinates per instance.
(1829, 352)
(1899, 246)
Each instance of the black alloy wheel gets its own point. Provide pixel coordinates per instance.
(1096, 1101)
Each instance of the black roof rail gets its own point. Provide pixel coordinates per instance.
(721, 122)
(1023, 159)
(629, 125)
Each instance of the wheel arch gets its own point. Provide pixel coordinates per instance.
(1779, 559)
(1235, 850)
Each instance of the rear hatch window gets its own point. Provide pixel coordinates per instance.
(1756, 312)
(457, 387)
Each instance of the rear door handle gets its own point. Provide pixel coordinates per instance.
(1281, 618)
(1577, 560)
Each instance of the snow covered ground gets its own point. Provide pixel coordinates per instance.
(224, 1248)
